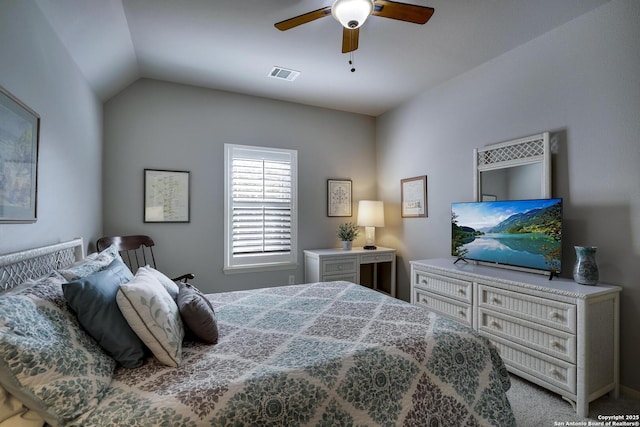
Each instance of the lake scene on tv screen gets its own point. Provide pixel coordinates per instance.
(523, 233)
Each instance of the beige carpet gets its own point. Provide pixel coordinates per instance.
(534, 406)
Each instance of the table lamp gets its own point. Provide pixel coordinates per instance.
(370, 216)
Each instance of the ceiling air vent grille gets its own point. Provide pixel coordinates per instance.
(284, 74)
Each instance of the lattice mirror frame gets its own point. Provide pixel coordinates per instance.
(534, 149)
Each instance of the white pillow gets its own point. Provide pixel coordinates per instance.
(168, 284)
(153, 315)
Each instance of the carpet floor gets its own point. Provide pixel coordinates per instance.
(535, 406)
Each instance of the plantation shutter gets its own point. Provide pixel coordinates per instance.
(261, 206)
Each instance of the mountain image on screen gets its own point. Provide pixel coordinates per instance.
(523, 233)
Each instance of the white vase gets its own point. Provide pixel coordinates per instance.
(346, 245)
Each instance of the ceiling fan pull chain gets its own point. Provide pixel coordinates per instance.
(353, 68)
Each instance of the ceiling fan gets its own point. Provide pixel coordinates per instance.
(352, 14)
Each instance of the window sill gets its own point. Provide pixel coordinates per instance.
(257, 268)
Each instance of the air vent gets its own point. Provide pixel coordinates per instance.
(284, 74)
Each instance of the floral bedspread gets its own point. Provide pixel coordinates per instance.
(322, 354)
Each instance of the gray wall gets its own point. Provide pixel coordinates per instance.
(161, 125)
(581, 82)
(37, 69)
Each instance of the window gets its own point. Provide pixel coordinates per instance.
(260, 207)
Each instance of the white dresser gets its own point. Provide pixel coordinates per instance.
(373, 268)
(555, 333)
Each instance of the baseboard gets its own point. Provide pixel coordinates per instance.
(629, 392)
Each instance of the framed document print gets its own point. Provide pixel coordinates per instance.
(338, 197)
(414, 197)
(19, 137)
(166, 196)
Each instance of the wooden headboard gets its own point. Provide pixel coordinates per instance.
(18, 267)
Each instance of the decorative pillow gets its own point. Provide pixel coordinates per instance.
(168, 284)
(93, 298)
(47, 360)
(153, 315)
(87, 266)
(197, 313)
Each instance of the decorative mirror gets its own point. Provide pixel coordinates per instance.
(513, 170)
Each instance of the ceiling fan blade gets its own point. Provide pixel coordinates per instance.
(287, 24)
(402, 11)
(350, 39)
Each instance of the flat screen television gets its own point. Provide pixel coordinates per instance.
(517, 233)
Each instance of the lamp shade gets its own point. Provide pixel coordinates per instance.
(351, 13)
(370, 213)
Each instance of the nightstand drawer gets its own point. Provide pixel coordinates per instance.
(547, 312)
(447, 286)
(373, 258)
(451, 308)
(339, 265)
(547, 340)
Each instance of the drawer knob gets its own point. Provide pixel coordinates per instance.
(462, 292)
(424, 300)
(339, 267)
(555, 373)
(556, 316)
(462, 313)
(496, 300)
(495, 324)
(555, 344)
(425, 281)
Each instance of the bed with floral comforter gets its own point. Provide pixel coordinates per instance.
(320, 354)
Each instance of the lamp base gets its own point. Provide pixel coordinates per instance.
(369, 247)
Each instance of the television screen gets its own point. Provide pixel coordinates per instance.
(522, 233)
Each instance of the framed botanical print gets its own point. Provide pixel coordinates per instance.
(166, 196)
(19, 139)
(339, 197)
(414, 197)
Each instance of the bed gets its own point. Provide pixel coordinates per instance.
(317, 354)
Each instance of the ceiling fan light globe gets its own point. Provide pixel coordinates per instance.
(351, 13)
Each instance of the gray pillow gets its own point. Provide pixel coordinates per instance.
(93, 298)
(197, 313)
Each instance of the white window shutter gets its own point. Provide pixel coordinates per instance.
(261, 206)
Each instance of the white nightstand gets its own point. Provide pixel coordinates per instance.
(372, 268)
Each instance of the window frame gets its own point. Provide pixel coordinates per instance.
(264, 261)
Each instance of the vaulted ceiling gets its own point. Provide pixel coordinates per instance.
(232, 45)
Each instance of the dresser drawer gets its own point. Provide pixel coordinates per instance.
(542, 338)
(547, 312)
(373, 258)
(455, 309)
(553, 371)
(447, 286)
(339, 265)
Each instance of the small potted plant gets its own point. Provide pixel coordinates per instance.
(347, 232)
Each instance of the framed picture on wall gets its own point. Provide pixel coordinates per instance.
(19, 139)
(166, 196)
(338, 197)
(414, 197)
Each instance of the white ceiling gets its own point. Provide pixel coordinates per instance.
(232, 45)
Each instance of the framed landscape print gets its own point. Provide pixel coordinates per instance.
(414, 197)
(19, 139)
(166, 196)
(338, 197)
